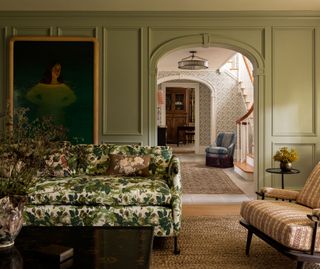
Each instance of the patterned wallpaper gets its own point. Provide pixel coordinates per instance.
(228, 101)
(204, 115)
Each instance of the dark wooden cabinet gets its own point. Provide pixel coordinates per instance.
(177, 111)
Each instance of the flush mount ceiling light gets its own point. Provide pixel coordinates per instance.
(193, 62)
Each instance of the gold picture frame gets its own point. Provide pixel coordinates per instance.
(70, 92)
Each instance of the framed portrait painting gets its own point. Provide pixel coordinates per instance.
(57, 77)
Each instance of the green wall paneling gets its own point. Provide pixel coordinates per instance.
(285, 46)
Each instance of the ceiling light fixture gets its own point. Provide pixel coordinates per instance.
(193, 62)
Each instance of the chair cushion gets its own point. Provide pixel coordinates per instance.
(100, 190)
(287, 223)
(217, 150)
(310, 193)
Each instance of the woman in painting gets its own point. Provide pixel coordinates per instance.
(51, 94)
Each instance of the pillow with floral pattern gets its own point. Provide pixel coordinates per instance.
(57, 165)
(124, 165)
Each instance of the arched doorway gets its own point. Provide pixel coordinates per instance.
(208, 40)
(192, 81)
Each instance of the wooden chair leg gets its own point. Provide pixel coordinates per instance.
(300, 265)
(176, 250)
(249, 239)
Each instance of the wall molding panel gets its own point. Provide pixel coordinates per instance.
(78, 31)
(124, 36)
(293, 89)
(33, 31)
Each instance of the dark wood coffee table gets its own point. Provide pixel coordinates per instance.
(94, 247)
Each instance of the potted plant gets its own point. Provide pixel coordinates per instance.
(285, 157)
(23, 145)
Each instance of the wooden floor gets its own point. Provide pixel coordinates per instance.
(211, 210)
(244, 166)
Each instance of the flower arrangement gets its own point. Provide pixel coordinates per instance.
(23, 145)
(283, 155)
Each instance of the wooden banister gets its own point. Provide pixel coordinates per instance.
(247, 66)
(245, 115)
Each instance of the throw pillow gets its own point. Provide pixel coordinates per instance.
(123, 165)
(57, 165)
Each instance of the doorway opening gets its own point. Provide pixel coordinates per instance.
(223, 101)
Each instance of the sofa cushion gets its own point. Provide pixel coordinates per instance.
(59, 160)
(92, 159)
(159, 161)
(129, 165)
(160, 217)
(57, 165)
(285, 222)
(101, 190)
(310, 193)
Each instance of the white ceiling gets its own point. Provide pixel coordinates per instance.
(215, 56)
(160, 5)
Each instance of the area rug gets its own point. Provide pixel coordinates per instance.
(200, 179)
(217, 242)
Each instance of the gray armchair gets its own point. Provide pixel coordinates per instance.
(221, 153)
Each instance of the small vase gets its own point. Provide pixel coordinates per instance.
(285, 166)
(11, 219)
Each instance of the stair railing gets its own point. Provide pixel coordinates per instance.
(244, 135)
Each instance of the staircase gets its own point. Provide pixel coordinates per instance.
(241, 68)
(244, 164)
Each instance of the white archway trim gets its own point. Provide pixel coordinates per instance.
(198, 148)
(258, 62)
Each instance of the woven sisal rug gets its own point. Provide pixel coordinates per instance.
(217, 242)
(200, 179)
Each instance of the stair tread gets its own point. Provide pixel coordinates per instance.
(244, 167)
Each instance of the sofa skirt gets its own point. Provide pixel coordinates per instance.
(161, 218)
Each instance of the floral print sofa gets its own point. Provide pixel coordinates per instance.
(109, 185)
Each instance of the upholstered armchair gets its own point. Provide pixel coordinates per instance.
(289, 223)
(221, 153)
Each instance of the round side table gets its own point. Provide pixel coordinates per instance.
(282, 172)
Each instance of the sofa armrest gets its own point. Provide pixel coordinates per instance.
(279, 193)
(174, 181)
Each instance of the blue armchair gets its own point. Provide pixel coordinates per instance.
(221, 153)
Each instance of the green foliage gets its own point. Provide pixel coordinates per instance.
(23, 145)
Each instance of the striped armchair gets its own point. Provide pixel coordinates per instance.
(290, 227)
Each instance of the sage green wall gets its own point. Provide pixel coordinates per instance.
(284, 48)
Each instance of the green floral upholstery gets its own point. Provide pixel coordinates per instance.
(91, 196)
(101, 190)
(49, 215)
(92, 159)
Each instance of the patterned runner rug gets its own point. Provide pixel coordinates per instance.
(200, 179)
(214, 242)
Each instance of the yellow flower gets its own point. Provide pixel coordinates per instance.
(284, 155)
